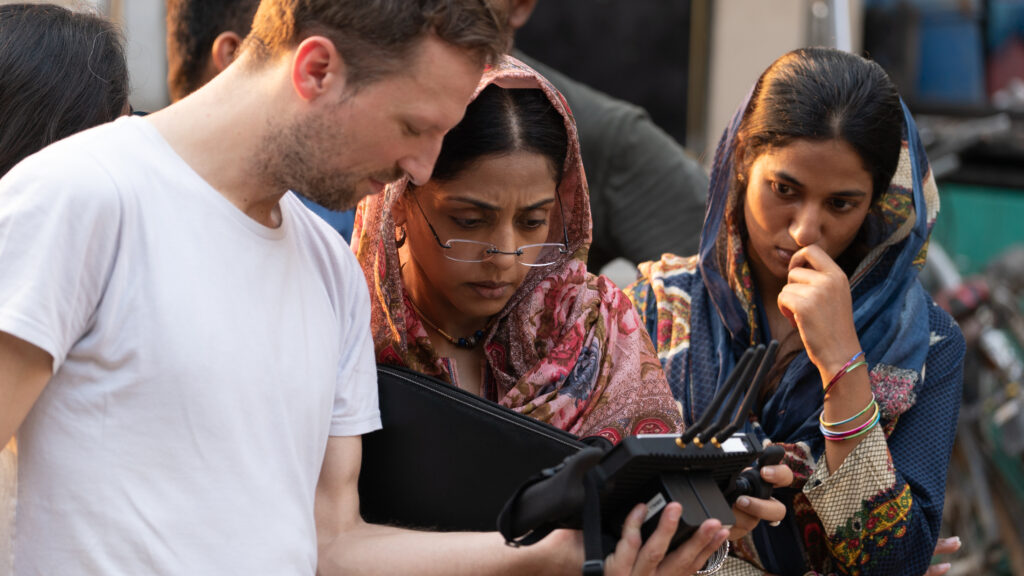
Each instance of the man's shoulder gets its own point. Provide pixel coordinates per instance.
(124, 133)
(91, 175)
(98, 152)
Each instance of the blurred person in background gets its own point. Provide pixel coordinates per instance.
(647, 193)
(203, 37)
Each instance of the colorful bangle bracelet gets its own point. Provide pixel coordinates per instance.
(861, 433)
(858, 431)
(839, 373)
(845, 371)
(858, 428)
(848, 420)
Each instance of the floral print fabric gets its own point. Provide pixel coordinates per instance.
(568, 349)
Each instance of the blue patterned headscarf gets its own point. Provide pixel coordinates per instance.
(889, 305)
(704, 311)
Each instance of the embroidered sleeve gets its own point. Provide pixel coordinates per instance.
(866, 473)
(882, 508)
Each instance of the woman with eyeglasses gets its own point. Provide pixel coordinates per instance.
(479, 276)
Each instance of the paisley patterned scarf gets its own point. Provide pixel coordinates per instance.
(568, 348)
(704, 311)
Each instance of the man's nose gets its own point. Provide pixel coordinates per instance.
(420, 163)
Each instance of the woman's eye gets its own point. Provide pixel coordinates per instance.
(410, 131)
(781, 189)
(468, 223)
(534, 223)
(842, 205)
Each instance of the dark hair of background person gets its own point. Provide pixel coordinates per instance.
(377, 37)
(192, 27)
(60, 73)
(820, 94)
(501, 121)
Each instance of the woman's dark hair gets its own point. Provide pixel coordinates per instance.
(825, 94)
(500, 121)
(60, 73)
(820, 94)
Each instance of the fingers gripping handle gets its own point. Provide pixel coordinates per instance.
(750, 482)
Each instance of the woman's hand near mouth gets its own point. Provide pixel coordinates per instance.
(816, 300)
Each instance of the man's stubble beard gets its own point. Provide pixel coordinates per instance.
(297, 157)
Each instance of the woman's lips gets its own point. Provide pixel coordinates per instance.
(785, 255)
(490, 290)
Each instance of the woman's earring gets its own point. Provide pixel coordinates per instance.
(399, 242)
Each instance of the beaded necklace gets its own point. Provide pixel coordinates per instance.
(468, 342)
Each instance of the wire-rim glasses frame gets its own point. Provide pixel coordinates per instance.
(490, 250)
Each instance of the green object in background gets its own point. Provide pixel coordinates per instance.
(977, 223)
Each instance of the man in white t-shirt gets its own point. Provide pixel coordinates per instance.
(185, 352)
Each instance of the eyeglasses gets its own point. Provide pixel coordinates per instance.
(532, 255)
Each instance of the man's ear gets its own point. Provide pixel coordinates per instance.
(317, 68)
(225, 49)
(519, 12)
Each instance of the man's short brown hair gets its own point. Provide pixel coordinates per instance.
(376, 37)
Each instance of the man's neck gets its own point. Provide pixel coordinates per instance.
(218, 131)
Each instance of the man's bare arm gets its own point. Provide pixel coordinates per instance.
(350, 546)
(347, 545)
(24, 371)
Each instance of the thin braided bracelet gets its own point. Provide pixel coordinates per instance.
(821, 418)
(860, 430)
(844, 373)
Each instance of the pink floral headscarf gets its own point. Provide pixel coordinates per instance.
(568, 348)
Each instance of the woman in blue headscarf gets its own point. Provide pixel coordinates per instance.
(818, 218)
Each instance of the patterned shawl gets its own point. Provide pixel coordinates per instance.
(568, 348)
(704, 311)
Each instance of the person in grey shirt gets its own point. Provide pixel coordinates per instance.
(647, 193)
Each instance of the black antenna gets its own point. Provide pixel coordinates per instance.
(724, 416)
(735, 397)
(752, 393)
(746, 361)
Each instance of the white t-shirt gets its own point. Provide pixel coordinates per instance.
(200, 362)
